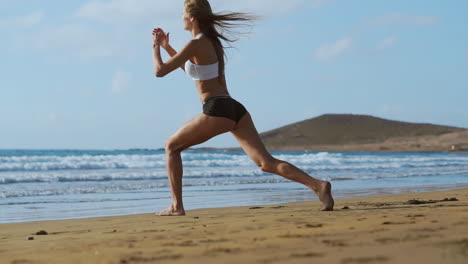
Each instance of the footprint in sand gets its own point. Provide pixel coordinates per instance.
(427, 229)
(378, 230)
(214, 251)
(313, 225)
(187, 243)
(152, 231)
(277, 207)
(415, 215)
(334, 243)
(214, 240)
(109, 232)
(453, 199)
(386, 240)
(307, 255)
(22, 261)
(376, 259)
(416, 237)
(294, 236)
(42, 232)
(139, 259)
(397, 223)
(416, 201)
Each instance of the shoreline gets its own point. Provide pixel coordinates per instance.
(421, 227)
(271, 149)
(341, 194)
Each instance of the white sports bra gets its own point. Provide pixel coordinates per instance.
(201, 72)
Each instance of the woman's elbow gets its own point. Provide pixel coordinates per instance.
(160, 73)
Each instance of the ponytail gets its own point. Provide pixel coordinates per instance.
(216, 25)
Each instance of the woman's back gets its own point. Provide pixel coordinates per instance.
(206, 53)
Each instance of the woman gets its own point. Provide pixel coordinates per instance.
(202, 58)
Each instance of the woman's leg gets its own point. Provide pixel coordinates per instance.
(251, 143)
(194, 132)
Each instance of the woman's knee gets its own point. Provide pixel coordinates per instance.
(268, 165)
(172, 146)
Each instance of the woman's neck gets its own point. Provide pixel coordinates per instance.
(195, 32)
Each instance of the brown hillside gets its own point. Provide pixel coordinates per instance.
(346, 129)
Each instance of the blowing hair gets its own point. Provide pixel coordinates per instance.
(215, 25)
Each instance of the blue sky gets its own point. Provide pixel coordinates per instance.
(79, 74)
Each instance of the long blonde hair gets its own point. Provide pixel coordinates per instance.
(212, 23)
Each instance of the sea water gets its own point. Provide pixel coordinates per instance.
(61, 184)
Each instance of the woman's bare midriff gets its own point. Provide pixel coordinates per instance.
(210, 88)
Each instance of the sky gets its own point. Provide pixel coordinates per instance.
(79, 74)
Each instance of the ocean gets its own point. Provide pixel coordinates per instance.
(38, 185)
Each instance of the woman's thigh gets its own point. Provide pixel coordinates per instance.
(250, 141)
(198, 130)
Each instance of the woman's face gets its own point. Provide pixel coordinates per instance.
(187, 21)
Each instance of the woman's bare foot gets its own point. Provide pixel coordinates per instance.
(325, 196)
(171, 211)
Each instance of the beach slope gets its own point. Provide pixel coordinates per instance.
(428, 227)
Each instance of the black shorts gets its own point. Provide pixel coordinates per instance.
(224, 106)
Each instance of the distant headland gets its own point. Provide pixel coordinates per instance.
(347, 132)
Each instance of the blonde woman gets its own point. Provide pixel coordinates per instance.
(202, 58)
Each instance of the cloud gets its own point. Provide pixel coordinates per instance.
(28, 20)
(102, 30)
(121, 81)
(387, 43)
(124, 16)
(118, 11)
(400, 19)
(268, 8)
(331, 51)
(80, 41)
(32, 19)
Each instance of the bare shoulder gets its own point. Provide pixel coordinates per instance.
(204, 45)
(192, 44)
(202, 48)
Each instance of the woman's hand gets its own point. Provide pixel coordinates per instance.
(160, 38)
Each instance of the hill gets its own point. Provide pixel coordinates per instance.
(345, 132)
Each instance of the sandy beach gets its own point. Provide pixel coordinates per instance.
(426, 227)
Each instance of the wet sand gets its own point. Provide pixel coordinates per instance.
(429, 227)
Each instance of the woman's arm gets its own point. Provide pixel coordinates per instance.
(179, 59)
(157, 61)
(172, 52)
(161, 69)
(165, 44)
